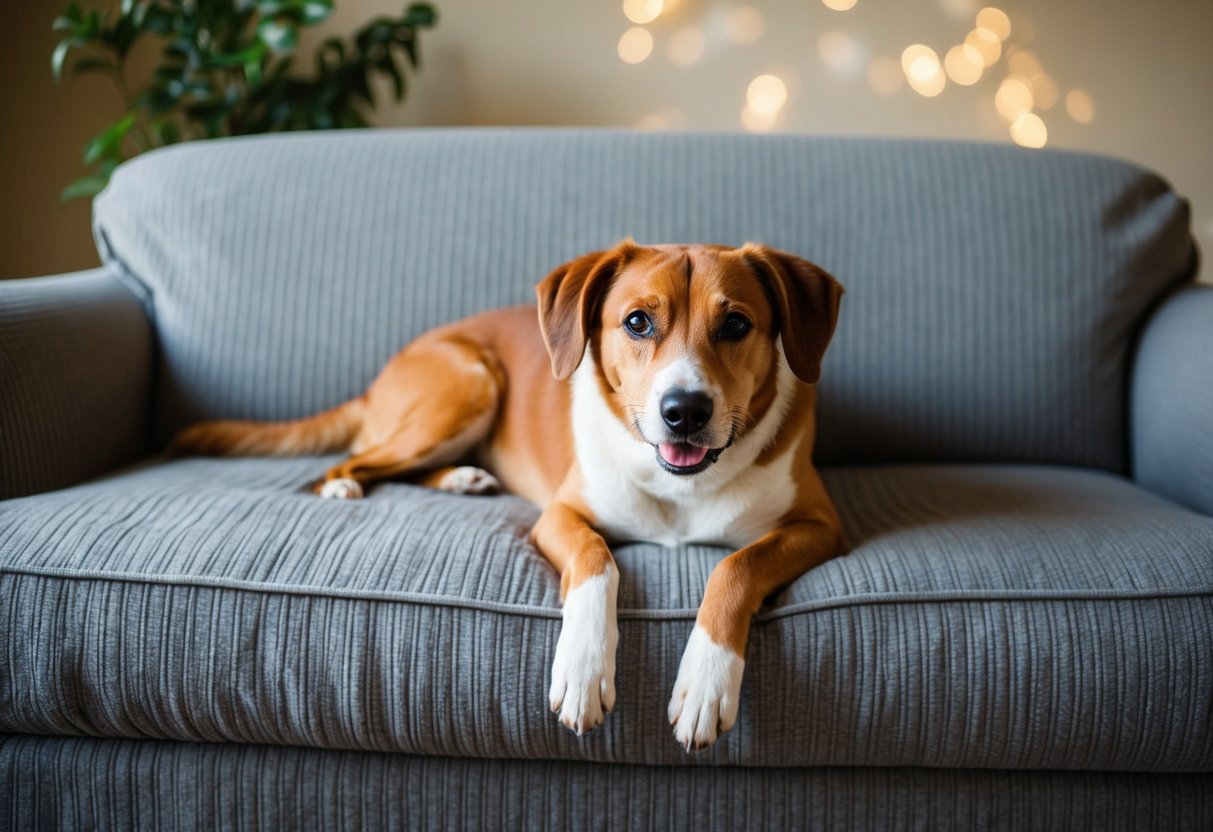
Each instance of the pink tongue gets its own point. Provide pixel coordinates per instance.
(681, 454)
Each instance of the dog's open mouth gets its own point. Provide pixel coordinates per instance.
(683, 458)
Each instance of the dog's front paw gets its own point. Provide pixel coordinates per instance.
(341, 489)
(583, 672)
(707, 693)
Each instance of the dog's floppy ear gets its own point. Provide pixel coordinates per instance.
(569, 298)
(805, 299)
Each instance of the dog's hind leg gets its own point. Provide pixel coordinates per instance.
(428, 408)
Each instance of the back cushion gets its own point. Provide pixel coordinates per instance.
(992, 292)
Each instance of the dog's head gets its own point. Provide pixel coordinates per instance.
(686, 340)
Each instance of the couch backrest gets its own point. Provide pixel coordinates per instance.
(992, 293)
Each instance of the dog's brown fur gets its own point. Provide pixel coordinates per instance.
(495, 388)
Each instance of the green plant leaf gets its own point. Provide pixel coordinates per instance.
(316, 11)
(278, 36)
(59, 56)
(85, 186)
(420, 14)
(108, 145)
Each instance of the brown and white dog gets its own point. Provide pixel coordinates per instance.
(673, 403)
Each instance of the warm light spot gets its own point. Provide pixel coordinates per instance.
(642, 11)
(686, 46)
(745, 24)
(635, 45)
(1029, 131)
(840, 53)
(669, 118)
(757, 122)
(652, 121)
(1080, 106)
(1013, 99)
(917, 55)
(1044, 91)
(986, 43)
(964, 65)
(923, 72)
(884, 76)
(996, 21)
(1022, 62)
(839, 5)
(766, 95)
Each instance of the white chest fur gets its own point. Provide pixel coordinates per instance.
(733, 503)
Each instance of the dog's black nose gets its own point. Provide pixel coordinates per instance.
(686, 411)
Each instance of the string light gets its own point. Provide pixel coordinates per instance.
(635, 46)
(1080, 106)
(686, 46)
(1029, 131)
(923, 71)
(964, 64)
(642, 11)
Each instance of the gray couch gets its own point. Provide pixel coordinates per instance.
(1016, 423)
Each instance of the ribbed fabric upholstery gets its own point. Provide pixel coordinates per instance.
(1172, 404)
(992, 291)
(997, 617)
(54, 783)
(75, 373)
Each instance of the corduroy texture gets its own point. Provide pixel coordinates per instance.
(991, 292)
(55, 783)
(999, 617)
(75, 370)
(1172, 405)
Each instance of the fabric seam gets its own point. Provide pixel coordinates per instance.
(804, 607)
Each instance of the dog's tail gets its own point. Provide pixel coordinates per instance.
(327, 432)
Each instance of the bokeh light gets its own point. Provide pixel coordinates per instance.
(841, 54)
(1080, 106)
(884, 76)
(1022, 62)
(757, 122)
(986, 43)
(996, 21)
(745, 24)
(923, 71)
(1029, 131)
(1044, 91)
(839, 5)
(1013, 99)
(964, 64)
(766, 95)
(635, 46)
(687, 46)
(642, 11)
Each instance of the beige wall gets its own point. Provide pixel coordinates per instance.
(1147, 66)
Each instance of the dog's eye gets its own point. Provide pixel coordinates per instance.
(639, 324)
(735, 327)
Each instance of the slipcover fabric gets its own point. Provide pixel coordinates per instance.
(992, 292)
(988, 616)
(1172, 404)
(56, 783)
(75, 374)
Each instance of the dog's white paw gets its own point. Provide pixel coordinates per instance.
(583, 672)
(468, 479)
(341, 489)
(707, 693)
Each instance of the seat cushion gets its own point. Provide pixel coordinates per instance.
(1003, 617)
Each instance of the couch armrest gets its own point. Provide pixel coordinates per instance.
(1171, 402)
(75, 376)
